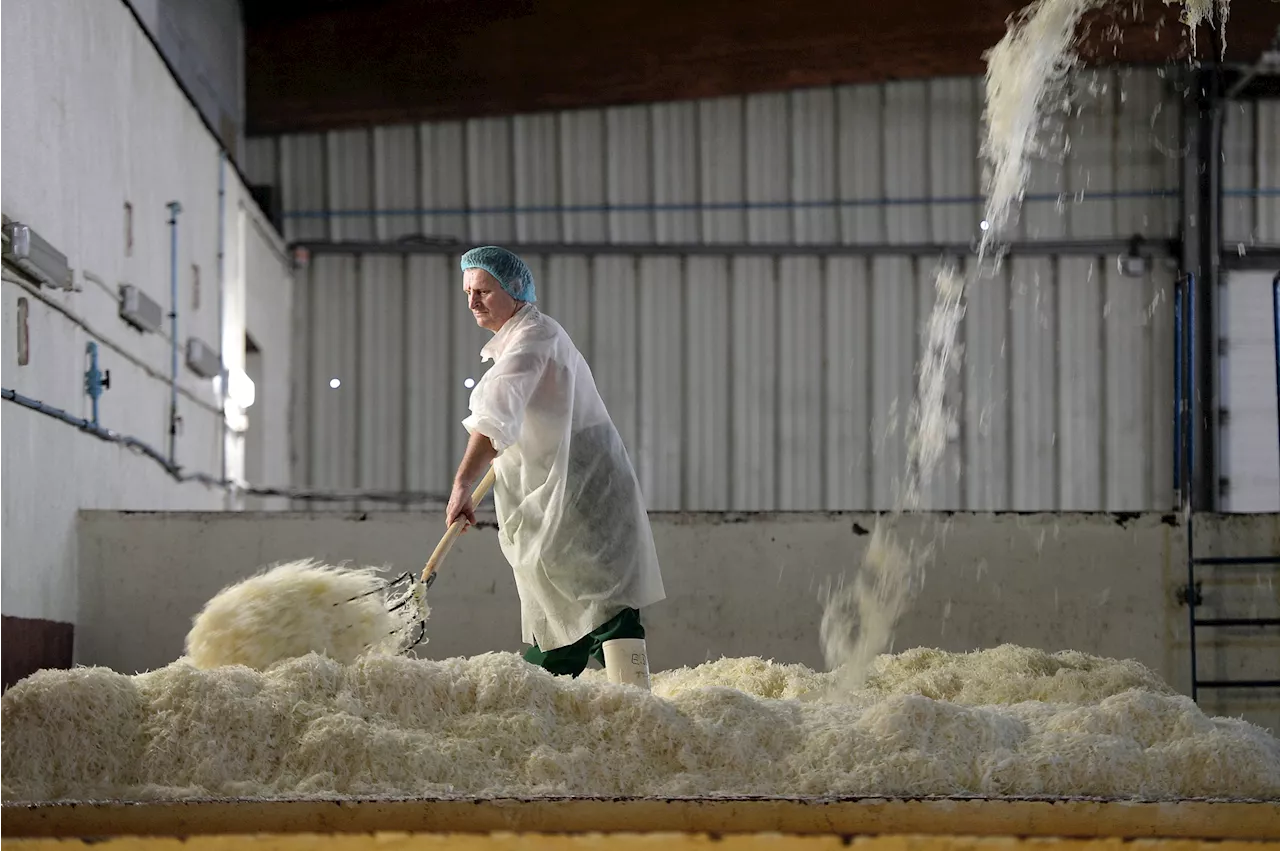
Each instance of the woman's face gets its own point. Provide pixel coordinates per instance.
(488, 302)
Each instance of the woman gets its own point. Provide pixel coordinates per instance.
(571, 516)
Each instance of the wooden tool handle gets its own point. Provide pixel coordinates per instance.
(446, 543)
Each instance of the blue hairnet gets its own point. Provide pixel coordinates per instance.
(508, 269)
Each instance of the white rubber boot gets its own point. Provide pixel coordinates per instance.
(625, 661)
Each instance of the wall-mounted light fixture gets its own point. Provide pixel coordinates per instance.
(139, 309)
(202, 359)
(1133, 264)
(31, 253)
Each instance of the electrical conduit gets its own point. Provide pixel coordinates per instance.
(222, 284)
(174, 209)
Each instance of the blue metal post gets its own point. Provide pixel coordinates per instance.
(174, 209)
(1177, 395)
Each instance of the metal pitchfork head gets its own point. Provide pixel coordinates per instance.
(414, 599)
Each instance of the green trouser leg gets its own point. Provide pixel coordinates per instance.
(572, 659)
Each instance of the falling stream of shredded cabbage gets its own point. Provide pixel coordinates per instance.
(1001, 722)
(1026, 70)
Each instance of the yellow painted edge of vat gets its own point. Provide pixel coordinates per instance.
(622, 842)
(862, 817)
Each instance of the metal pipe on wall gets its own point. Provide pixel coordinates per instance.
(222, 293)
(174, 209)
(1275, 310)
(402, 498)
(1202, 256)
(1074, 248)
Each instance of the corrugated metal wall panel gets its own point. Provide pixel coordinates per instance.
(1091, 160)
(765, 383)
(1251, 174)
(894, 332)
(1034, 369)
(380, 378)
(814, 178)
(1267, 154)
(861, 164)
(303, 186)
(348, 175)
(333, 302)
(893, 162)
(1146, 159)
(629, 179)
(442, 178)
(752, 374)
(985, 407)
(723, 169)
(906, 161)
(537, 178)
(850, 363)
(1127, 399)
(768, 168)
(615, 353)
(801, 400)
(583, 176)
(953, 113)
(675, 173)
(1083, 454)
(490, 180)
(663, 343)
(1239, 174)
(434, 314)
(395, 155)
(709, 423)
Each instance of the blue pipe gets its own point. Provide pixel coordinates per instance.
(90, 428)
(95, 381)
(174, 209)
(717, 206)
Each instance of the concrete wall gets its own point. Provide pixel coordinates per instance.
(103, 127)
(736, 584)
(204, 42)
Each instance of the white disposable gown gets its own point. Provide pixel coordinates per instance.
(571, 516)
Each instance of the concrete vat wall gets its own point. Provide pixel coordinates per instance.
(736, 584)
(96, 144)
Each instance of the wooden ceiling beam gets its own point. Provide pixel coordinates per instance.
(392, 61)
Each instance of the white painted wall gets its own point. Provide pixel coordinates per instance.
(736, 585)
(103, 125)
(268, 317)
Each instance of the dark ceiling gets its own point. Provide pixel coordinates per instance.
(323, 64)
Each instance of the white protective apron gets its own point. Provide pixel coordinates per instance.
(571, 515)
